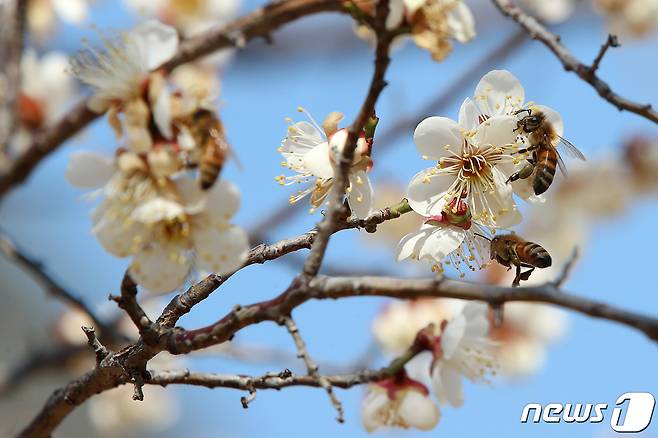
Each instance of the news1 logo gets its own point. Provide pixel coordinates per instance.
(632, 413)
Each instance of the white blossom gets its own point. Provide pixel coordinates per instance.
(312, 152)
(467, 159)
(550, 11)
(464, 351)
(404, 404)
(118, 72)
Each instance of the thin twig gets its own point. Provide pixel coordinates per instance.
(570, 63)
(566, 269)
(341, 173)
(99, 349)
(611, 41)
(128, 302)
(311, 366)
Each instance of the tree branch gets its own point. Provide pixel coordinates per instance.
(311, 366)
(570, 63)
(128, 302)
(260, 23)
(341, 172)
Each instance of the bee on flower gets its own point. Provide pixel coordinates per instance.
(433, 24)
(313, 152)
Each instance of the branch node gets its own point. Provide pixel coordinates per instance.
(99, 349)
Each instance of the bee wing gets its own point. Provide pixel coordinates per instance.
(561, 165)
(569, 149)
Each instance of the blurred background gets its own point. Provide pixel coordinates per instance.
(607, 207)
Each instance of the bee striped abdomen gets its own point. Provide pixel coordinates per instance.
(545, 170)
(534, 255)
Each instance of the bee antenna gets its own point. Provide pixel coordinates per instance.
(483, 236)
(528, 110)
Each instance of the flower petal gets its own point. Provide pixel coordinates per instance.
(461, 23)
(427, 191)
(156, 210)
(72, 11)
(499, 92)
(497, 131)
(418, 411)
(223, 200)
(411, 243)
(120, 235)
(192, 198)
(437, 137)
(301, 138)
(317, 161)
(452, 336)
(452, 387)
(161, 269)
(553, 117)
(360, 195)
(221, 251)
(157, 42)
(442, 241)
(495, 208)
(469, 115)
(374, 407)
(89, 170)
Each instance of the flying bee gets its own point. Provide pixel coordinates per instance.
(512, 250)
(543, 139)
(213, 150)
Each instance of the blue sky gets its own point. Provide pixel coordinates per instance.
(595, 362)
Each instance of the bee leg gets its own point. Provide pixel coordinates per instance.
(524, 173)
(526, 275)
(517, 277)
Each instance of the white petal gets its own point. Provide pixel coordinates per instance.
(301, 138)
(221, 251)
(162, 113)
(499, 92)
(448, 386)
(73, 11)
(156, 210)
(461, 23)
(497, 131)
(193, 199)
(452, 336)
(469, 115)
(157, 42)
(411, 244)
(317, 161)
(374, 404)
(161, 269)
(89, 170)
(418, 411)
(120, 235)
(223, 200)
(395, 14)
(442, 241)
(360, 196)
(553, 117)
(426, 193)
(499, 202)
(436, 137)
(477, 322)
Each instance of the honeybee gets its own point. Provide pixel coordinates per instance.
(512, 250)
(545, 158)
(208, 134)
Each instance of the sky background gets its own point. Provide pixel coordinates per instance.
(328, 70)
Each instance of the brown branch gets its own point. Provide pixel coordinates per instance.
(570, 63)
(99, 349)
(35, 270)
(311, 366)
(13, 52)
(611, 41)
(341, 173)
(260, 23)
(128, 302)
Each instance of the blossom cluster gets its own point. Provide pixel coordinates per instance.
(152, 209)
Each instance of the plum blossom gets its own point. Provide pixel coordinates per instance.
(398, 402)
(169, 226)
(467, 168)
(635, 18)
(119, 72)
(550, 11)
(434, 23)
(463, 349)
(451, 235)
(500, 93)
(312, 152)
